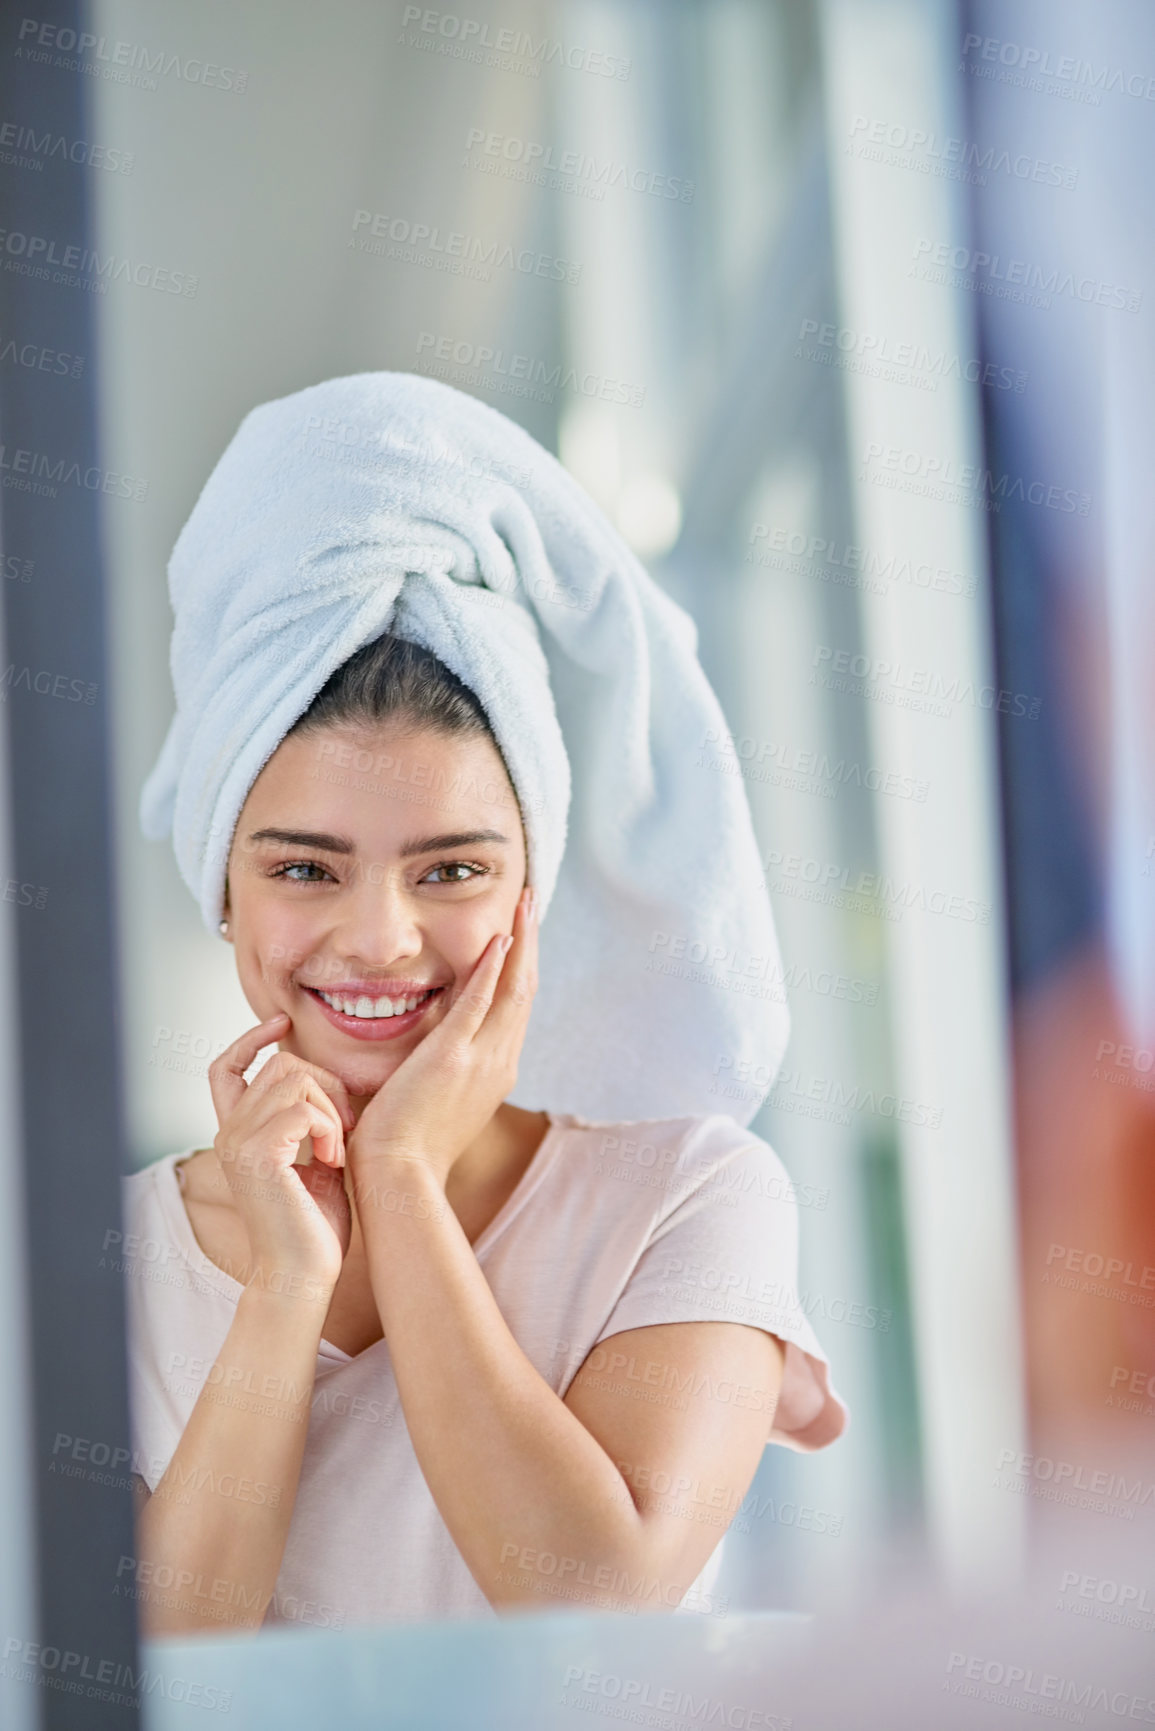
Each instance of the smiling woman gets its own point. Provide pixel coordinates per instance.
(407, 870)
(418, 1350)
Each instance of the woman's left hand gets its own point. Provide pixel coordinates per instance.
(446, 1091)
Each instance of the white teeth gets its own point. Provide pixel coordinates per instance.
(373, 1009)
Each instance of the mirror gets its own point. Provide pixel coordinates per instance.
(700, 256)
(629, 295)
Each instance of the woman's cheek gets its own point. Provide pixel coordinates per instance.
(464, 944)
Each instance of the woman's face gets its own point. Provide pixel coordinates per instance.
(369, 869)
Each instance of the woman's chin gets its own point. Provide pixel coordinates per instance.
(361, 1076)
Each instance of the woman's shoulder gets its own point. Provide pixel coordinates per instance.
(683, 1154)
(711, 1135)
(145, 1191)
(144, 1178)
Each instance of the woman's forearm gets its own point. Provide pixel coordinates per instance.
(212, 1535)
(508, 1464)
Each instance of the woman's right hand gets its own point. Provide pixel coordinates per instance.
(297, 1217)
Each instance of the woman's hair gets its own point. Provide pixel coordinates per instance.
(391, 679)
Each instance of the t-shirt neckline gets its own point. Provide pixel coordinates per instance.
(181, 1226)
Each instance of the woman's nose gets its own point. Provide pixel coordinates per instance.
(377, 923)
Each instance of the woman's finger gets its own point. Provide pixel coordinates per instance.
(330, 1148)
(335, 1089)
(513, 998)
(227, 1073)
(286, 1065)
(472, 1004)
(268, 1155)
(291, 1077)
(328, 1139)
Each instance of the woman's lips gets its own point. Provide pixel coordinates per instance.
(373, 1028)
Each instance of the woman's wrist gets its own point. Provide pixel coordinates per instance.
(273, 1291)
(398, 1183)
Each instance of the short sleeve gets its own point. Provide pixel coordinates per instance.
(728, 1252)
(154, 1436)
(177, 1319)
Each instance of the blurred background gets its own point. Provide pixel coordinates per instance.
(841, 310)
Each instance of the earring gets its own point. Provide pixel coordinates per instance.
(223, 927)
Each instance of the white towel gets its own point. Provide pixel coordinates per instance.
(386, 501)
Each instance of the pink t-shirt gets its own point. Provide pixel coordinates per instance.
(612, 1227)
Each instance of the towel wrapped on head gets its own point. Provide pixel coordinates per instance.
(386, 501)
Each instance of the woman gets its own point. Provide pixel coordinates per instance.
(467, 1355)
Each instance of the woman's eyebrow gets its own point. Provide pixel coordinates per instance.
(439, 843)
(305, 838)
(342, 844)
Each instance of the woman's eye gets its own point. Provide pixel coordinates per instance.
(455, 871)
(300, 865)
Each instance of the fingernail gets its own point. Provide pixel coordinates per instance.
(506, 945)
